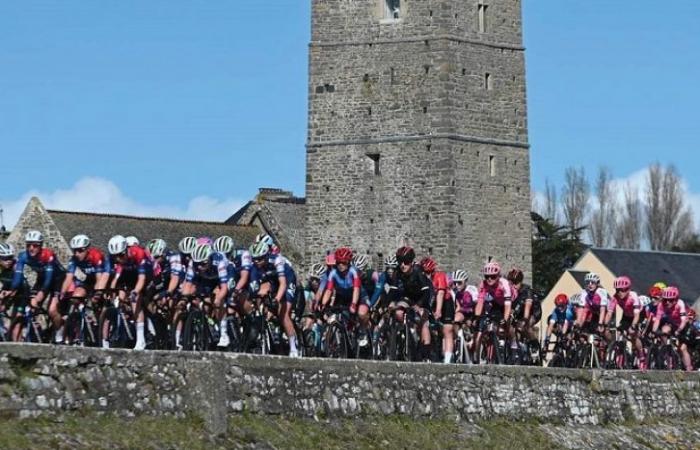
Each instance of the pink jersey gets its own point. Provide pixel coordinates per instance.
(500, 293)
(629, 304)
(594, 299)
(673, 313)
(465, 301)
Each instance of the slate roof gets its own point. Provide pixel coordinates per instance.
(579, 276)
(100, 227)
(646, 268)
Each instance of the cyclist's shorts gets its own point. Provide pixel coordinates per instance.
(625, 323)
(495, 316)
(448, 311)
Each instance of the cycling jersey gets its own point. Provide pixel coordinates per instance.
(560, 316)
(413, 285)
(271, 272)
(500, 294)
(594, 299)
(216, 272)
(386, 286)
(672, 313)
(137, 260)
(368, 279)
(523, 294)
(343, 284)
(49, 271)
(629, 305)
(466, 300)
(242, 262)
(94, 263)
(439, 283)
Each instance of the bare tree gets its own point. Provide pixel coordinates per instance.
(669, 222)
(602, 223)
(574, 198)
(628, 225)
(550, 202)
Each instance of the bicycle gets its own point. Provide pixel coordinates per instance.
(336, 341)
(118, 321)
(196, 334)
(81, 323)
(464, 343)
(493, 345)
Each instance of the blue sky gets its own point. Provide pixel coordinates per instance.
(176, 108)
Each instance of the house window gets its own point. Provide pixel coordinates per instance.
(392, 9)
(482, 16)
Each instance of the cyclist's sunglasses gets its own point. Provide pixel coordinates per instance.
(490, 277)
(622, 290)
(260, 259)
(7, 258)
(591, 282)
(79, 250)
(405, 261)
(33, 245)
(459, 283)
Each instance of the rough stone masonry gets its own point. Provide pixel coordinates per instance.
(418, 131)
(39, 380)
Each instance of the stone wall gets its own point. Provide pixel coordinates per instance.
(40, 380)
(403, 126)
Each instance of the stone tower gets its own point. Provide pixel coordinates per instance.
(418, 131)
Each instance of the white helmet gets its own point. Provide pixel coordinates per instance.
(187, 245)
(390, 261)
(201, 253)
(259, 250)
(6, 250)
(131, 241)
(266, 238)
(644, 300)
(361, 262)
(156, 247)
(592, 277)
(318, 270)
(33, 236)
(117, 245)
(223, 244)
(79, 241)
(460, 275)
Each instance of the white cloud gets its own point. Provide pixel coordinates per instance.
(93, 194)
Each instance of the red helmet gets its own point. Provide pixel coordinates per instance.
(561, 300)
(428, 264)
(330, 259)
(670, 293)
(343, 255)
(655, 292)
(691, 314)
(405, 254)
(515, 275)
(622, 283)
(491, 268)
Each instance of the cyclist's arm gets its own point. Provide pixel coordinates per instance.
(378, 289)
(282, 279)
(48, 276)
(243, 281)
(635, 319)
(528, 308)
(140, 283)
(221, 293)
(507, 309)
(66, 283)
(174, 282)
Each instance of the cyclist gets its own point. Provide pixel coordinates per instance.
(168, 270)
(18, 296)
(628, 301)
(672, 317)
(444, 305)
(313, 283)
(494, 301)
(650, 309)
(270, 274)
(88, 272)
(414, 287)
(133, 269)
(691, 337)
(208, 273)
(561, 318)
(592, 313)
(132, 241)
(527, 309)
(49, 275)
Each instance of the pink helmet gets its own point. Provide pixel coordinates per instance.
(670, 293)
(622, 283)
(491, 268)
(204, 240)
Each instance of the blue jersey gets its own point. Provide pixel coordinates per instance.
(271, 272)
(217, 272)
(45, 264)
(242, 262)
(559, 317)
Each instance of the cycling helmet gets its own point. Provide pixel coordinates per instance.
(405, 254)
(330, 259)
(223, 244)
(460, 275)
(515, 276)
(491, 268)
(318, 270)
(117, 245)
(7, 250)
(33, 236)
(644, 300)
(79, 241)
(592, 277)
(343, 255)
(132, 240)
(201, 253)
(259, 250)
(428, 264)
(204, 240)
(361, 262)
(661, 285)
(156, 247)
(622, 283)
(561, 300)
(187, 245)
(266, 238)
(655, 291)
(390, 262)
(671, 293)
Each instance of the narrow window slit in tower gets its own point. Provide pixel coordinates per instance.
(375, 159)
(369, 111)
(482, 16)
(488, 84)
(392, 9)
(393, 76)
(492, 165)
(425, 110)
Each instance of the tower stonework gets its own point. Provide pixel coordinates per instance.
(418, 131)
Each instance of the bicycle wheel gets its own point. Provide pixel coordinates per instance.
(196, 333)
(396, 344)
(336, 342)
